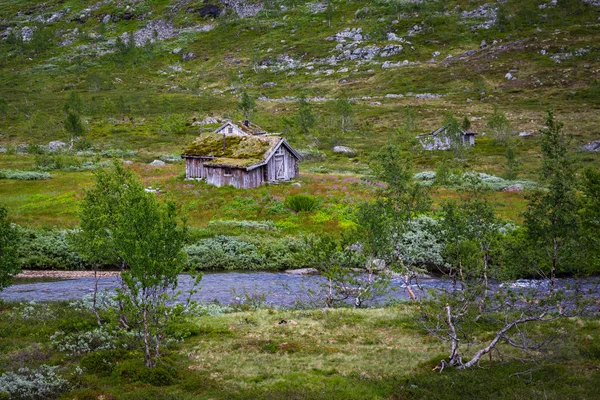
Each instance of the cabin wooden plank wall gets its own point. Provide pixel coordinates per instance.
(236, 177)
(194, 168)
(284, 162)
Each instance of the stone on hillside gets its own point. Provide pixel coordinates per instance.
(483, 44)
(2, 150)
(296, 184)
(513, 188)
(592, 146)
(176, 50)
(188, 56)
(509, 76)
(377, 265)
(394, 96)
(56, 145)
(302, 271)
(106, 19)
(127, 162)
(343, 150)
(524, 134)
(26, 33)
(157, 163)
(269, 84)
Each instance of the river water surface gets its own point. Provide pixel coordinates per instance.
(277, 289)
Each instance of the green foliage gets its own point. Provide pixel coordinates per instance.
(345, 113)
(23, 175)
(101, 362)
(172, 123)
(43, 382)
(305, 118)
(247, 104)
(9, 239)
(551, 216)
(499, 126)
(48, 249)
(134, 370)
(301, 202)
(120, 221)
(224, 252)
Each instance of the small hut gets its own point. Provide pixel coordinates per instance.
(441, 140)
(242, 155)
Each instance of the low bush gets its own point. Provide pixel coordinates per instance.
(134, 370)
(223, 252)
(101, 362)
(246, 253)
(40, 383)
(23, 175)
(48, 249)
(301, 202)
(97, 339)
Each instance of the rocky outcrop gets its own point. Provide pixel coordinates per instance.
(344, 150)
(592, 146)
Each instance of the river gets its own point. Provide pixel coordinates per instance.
(272, 288)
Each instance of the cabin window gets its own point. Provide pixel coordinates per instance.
(227, 171)
(279, 151)
(229, 129)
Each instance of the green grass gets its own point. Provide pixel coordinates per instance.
(333, 354)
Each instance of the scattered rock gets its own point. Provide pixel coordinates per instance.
(592, 146)
(302, 271)
(188, 56)
(26, 33)
(513, 188)
(469, 100)
(269, 84)
(153, 31)
(106, 19)
(206, 121)
(509, 76)
(483, 44)
(157, 163)
(176, 50)
(296, 184)
(316, 8)
(524, 134)
(344, 150)
(127, 162)
(394, 96)
(56, 145)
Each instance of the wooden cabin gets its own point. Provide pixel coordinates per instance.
(440, 140)
(241, 155)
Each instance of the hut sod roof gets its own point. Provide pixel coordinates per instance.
(240, 151)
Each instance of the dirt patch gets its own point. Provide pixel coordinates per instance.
(65, 274)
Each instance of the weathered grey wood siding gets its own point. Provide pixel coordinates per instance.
(289, 163)
(194, 168)
(239, 178)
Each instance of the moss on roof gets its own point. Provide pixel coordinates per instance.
(240, 151)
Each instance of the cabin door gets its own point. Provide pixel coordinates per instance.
(279, 165)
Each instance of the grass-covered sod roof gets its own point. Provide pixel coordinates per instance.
(240, 151)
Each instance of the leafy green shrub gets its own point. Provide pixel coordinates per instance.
(23, 175)
(266, 225)
(117, 153)
(134, 370)
(301, 202)
(101, 362)
(40, 383)
(182, 329)
(85, 342)
(48, 249)
(223, 252)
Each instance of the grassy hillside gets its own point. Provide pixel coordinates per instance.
(147, 70)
